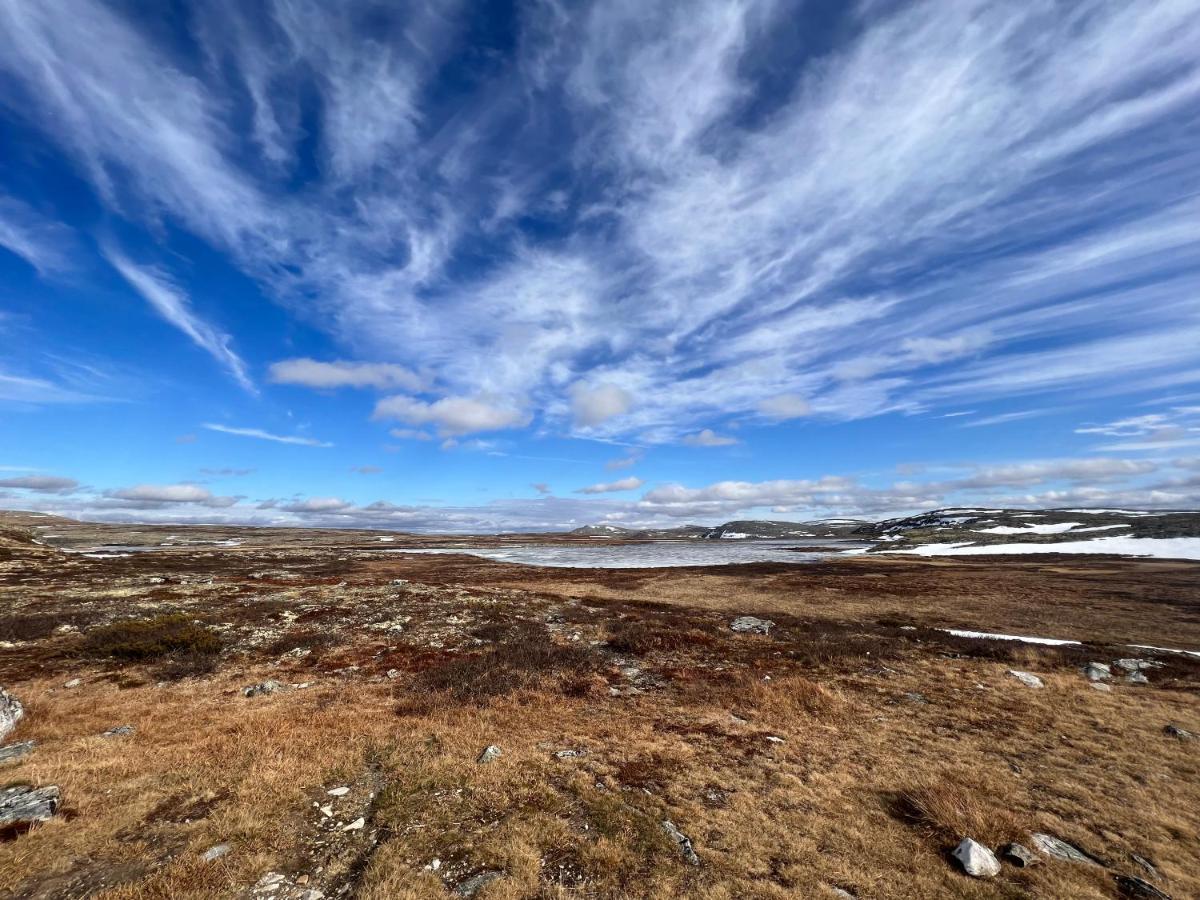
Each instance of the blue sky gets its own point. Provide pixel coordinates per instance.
(535, 265)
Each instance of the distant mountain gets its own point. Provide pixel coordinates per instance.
(745, 529)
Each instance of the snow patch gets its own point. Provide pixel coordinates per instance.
(1121, 545)
(1048, 528)
(995, 636)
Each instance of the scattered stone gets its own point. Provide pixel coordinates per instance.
(1027, 678)
(977, 860)
(1019, 855)
(119, 731)
(11, 712)
(326, 811)
(263, 687)
(751, 625)
(393, 673)
(1100, 686)
(1136, 678)
(842, 893)
(915, 697)
(215, 852)
(338, 791)
(683, 841)
(775, 739)
(475, 883)
(1059, 849)
(569, 754)
(1097, 672)
(25, 804)
(1132, 886)
(433, 865)
(73, 683)
(490, 753)
(1145, 864)
(1136, 665)
(357, 825)
(16, 751)
(1169, 730)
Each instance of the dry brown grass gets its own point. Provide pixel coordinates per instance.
(867, 789)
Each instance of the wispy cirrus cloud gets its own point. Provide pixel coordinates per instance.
(959, 202)
(262, 435)
(173, 305)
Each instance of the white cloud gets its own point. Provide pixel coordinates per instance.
(708, 438)
(594, 405)
(40, 242)
(152, 495)
(324, 375)
(170, 302)
(43, 484)
(632, 483)
(784, 406)
(452, 416)
(316, 505)
(266, 435)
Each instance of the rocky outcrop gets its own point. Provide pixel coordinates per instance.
(682, 841)
(25, 804)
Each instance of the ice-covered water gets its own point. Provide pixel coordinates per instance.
(652, 555)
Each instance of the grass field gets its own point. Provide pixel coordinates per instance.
(849, 749)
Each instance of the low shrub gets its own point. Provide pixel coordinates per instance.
(141, 639)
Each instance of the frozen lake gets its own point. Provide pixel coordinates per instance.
(653, 555)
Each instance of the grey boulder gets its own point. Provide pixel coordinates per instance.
(1097, 672)
(25, 804)
(16, 751)
(1060, 849)
(1019, 855)
(1027, 678)
(682, 841)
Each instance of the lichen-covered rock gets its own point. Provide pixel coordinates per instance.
(751, 625)
(490, 753)
(263, 687)
(976, 860)
(1178, 733)
(1097, 672)
(16, 751)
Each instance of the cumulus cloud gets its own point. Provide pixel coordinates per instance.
(595, 405)
(316, 505)
(452, 416)
(266, 435)
(154, 495)
(631, 483)
(708, 438)
(325, 375)
(42, 484)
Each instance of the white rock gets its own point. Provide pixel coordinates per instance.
(338, 791)
(1097, 672)
(977, 860)
(357, 825)
(326, 811)
(73, 683)
(1027, 678)
(490, 754)
(215, 852)
(11, 712)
